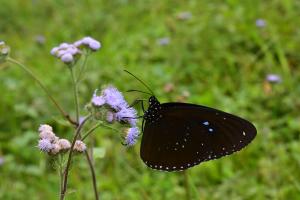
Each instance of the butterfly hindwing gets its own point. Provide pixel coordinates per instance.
(185, 135)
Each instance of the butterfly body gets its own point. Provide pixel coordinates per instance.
(177, 136)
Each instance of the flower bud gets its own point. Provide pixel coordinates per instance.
(79, 146)
(4, 51)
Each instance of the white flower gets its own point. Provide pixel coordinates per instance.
(55, 148)
(64, 144)
(79, 146)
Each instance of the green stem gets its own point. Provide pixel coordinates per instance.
(82, 68)
(66, 171)
(187, 186)
(30, 73)
(75, 90)
(91, 130)
(61, 172)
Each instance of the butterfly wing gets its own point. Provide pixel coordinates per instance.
(188, 134)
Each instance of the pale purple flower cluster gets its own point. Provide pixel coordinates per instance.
(88, 42)
(68, 52)
(163, 41)
(119, 110)
(260, 23)
(79, 146)
(273, 78)
(49, 142)
(131, 136)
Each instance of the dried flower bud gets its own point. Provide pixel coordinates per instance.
(64, 144)
(55, 149)
(79, 146)
(110, 117)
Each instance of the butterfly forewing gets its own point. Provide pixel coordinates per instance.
(185, 135)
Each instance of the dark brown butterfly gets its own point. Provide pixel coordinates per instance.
(177, 136)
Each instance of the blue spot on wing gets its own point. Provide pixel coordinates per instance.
(206, 123)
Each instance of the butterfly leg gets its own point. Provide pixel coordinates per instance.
(138, 101)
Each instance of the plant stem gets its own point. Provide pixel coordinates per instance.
(186, 184)
(91, 130)
(59, 108)
(75, 90)
(61, 173)
(82, 68)
(66, 171)
(91, 164)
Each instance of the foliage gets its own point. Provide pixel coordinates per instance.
(218, 56)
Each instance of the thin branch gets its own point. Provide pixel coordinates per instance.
(75, 91)
(59, 108)
(93, 174)
(66, 172)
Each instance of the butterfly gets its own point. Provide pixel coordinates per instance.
(177, 136)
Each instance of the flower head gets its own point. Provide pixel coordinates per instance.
(49, 135)
(4, 51)
(66, 52)
(131, 136)
(98, 100)
(273, 78)
(127, 115)
(163, 41)
(55, 148)
(114, 98)
(260, 23)
(88, 42)
(45, 128)
(45, 145)
(79, 146)
(64, 144)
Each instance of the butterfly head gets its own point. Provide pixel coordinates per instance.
(153, 101)
(153, 112)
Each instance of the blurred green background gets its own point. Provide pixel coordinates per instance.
(205, 52)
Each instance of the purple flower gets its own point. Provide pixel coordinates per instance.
(67, 58)
(66, 52)
(127, 115)
(1, 160)
(260, 23)
(89, 42)
(45, 145)
(273, 78)
(163, 41)
(114, 98)
(131, 136)
(97, 100)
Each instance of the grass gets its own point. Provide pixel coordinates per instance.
(218, 56)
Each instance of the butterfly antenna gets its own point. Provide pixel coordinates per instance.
(139, 91)
(152, 93)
